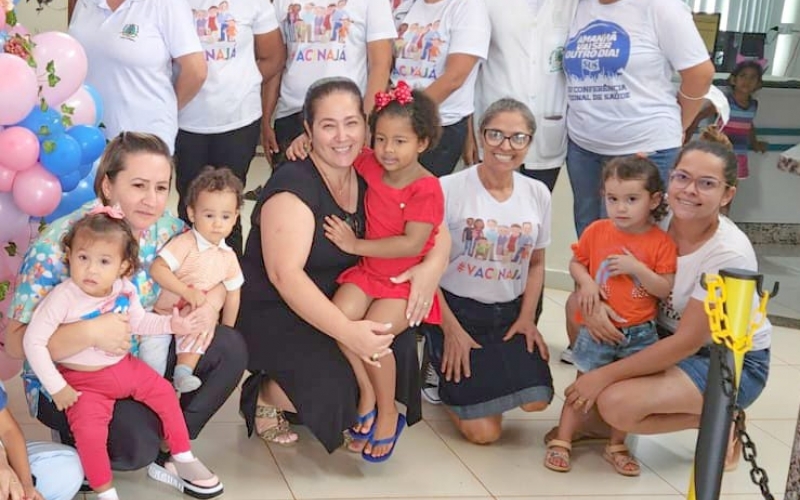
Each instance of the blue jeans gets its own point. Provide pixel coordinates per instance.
(57, 470)
(585, 169)
(588, 354)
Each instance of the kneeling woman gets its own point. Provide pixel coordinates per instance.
(489, 350)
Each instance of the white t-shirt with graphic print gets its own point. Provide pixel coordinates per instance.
(231, 95)
(727, 248)
(427, 34)
(333, 44)
(492, 240)
(620, 59)
(130, 53)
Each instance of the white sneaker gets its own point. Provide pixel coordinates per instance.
(566, 356)
(430, 386)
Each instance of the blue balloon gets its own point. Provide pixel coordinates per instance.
(71, 200)
(90, 139)
(70, 180)
(98, 102)
(60, 155)
(45, 124)
(85, 169)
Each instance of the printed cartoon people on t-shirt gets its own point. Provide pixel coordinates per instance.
(216, 28)
(317, 31)
(420, 48)
(495, 251)
(594, 60)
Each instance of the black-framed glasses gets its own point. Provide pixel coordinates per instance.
(495, 138)
(682, 180)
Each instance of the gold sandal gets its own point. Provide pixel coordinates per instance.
(281, 433)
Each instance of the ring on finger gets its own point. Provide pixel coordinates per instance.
(375, 357)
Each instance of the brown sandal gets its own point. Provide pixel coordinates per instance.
(281, 433)
(619, 456)
(554, 453)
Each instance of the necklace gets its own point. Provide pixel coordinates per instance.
(337, 193)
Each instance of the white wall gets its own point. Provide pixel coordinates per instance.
(558, 253)
(52, 18)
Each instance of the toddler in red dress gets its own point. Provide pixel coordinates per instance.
(404, 207)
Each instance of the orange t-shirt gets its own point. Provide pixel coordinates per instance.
(654, 248)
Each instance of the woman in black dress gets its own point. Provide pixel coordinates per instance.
(290, 325)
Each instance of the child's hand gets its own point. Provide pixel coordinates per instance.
(590, 296)
(760, 146)
(66, 397)
(194, 297)
(340, 233)
(299, 148)
(187, 325)
(623, 264)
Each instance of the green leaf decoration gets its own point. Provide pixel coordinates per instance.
(49, 146)
(51, 67)
(52, 79)
(44, 130)
(11, 18)
(67, 110)
(42, 103)
(4, 286)
(11, 249)
(42, 225)
(66, 120)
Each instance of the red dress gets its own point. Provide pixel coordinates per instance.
(388, 209)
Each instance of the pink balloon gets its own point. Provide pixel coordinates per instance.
(69, 60)
(18, 89)
(6, 179)
(9, 367)
(20, 148)
(19, 29)
(36, 191)
(2, 20)
(84, 112)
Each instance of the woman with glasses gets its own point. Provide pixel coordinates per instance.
(287, 318)
(488, 350)
(660, 389)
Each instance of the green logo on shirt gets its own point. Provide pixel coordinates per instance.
(130, 31)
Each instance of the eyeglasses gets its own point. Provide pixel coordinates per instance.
(495, 138)
(682, 180)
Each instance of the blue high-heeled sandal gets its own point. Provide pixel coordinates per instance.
(401, 424)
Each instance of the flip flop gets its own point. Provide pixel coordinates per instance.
(401, 424)
(363, 419)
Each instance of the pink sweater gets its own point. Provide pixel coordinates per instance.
(67, 303)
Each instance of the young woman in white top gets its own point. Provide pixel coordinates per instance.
(222, 125)
(439, 48)
(145, 60)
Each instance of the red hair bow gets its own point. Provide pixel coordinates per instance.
(114, 212)
(401, 93)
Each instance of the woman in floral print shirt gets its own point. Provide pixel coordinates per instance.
(134, 173)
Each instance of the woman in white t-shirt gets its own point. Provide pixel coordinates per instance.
(221, 126)
(439, 48)
(660, 389)
(488, 350)
(620, 59)
(145, 61)
(334, 38)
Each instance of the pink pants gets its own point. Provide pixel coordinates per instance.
(90, 416)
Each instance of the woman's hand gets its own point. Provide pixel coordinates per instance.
(65, 398)
(370, 341)
(269, 142)
(340, 233)
(600, 326)
(299, 148)
(583, 393)
(113, 333)
(10, 486)
(533, 338)
(424, 283)
(457, 346)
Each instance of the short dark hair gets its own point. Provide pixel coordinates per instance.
(422, 112)
(323, 88)
(635, 167)
(117, 151)
(106, 227)
(723, 151)
(748, 64)
(508, 105)
(212, 180)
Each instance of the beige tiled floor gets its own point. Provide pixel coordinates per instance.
(433, 462)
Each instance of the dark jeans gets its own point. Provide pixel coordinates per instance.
(442, 159)
(286, 130)
(134, 435)
(234, 150)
